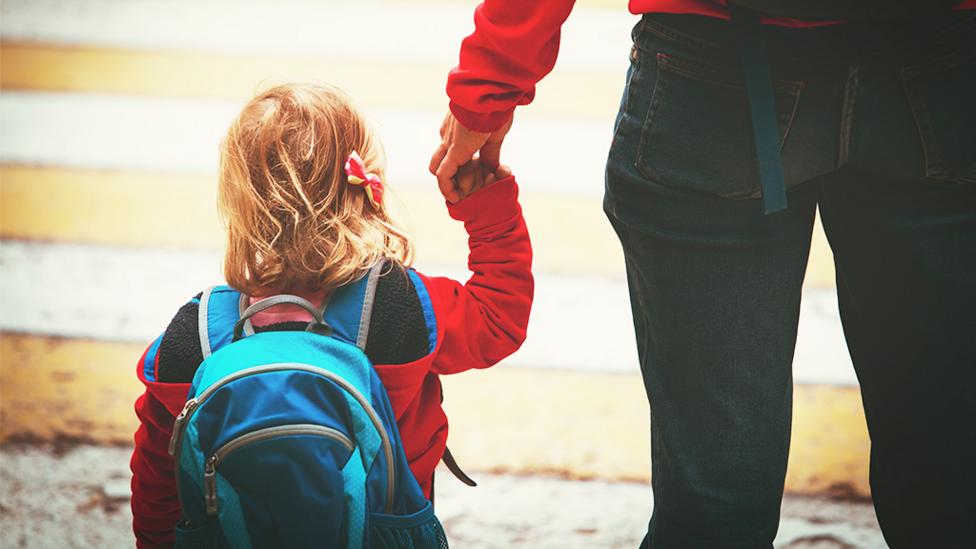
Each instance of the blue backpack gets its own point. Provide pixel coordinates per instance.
(288, 438)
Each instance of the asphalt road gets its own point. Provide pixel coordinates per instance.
(79, 497)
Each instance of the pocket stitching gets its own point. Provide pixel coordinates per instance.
(931, 150)
(656, 93)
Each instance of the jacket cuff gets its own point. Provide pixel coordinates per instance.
(489, 206)
(484, 122)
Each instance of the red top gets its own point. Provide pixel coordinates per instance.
(515, 43)
(478, 324)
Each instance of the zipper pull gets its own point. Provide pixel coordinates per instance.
(210, 485)
(178, 424)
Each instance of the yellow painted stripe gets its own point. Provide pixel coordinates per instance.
(505, 419)
(374, 83)
(67, 388)
(510, 420)
(107, 207)
(570, 234)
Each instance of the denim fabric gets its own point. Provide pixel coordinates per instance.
(877, 130)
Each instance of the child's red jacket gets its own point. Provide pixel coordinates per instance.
(478, 324)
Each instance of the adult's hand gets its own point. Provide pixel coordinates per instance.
(457, 148)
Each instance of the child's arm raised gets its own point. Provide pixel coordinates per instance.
(484, 320)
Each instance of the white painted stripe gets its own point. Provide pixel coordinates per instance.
(411, 33)
(177, 135)
(131, 294)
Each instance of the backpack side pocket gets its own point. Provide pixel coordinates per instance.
(420, 530)
(205, 536)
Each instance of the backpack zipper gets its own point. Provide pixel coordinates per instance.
(178, 424)
(210, 468)
(192, 404)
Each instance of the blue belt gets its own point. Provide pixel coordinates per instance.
(759, 88)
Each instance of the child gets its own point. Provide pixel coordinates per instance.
(301, 192)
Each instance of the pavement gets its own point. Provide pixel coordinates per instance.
(78, 496)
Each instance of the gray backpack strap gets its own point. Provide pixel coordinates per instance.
(348, 310)
(203, 323)
(369, 299)
(243, 325)
(219, 309)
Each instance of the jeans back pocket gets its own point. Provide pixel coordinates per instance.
(697, 135)
(940, 94)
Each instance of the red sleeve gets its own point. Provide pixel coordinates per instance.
(514, 45)
(155, 507)
(484, 320)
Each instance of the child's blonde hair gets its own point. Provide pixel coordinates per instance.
(293, 222)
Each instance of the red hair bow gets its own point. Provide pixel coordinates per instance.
(357, 175)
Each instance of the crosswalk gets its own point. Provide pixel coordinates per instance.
(128, 294)
(111, 113)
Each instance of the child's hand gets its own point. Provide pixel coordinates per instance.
(473, 177)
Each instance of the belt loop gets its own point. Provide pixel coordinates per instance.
(762, 106)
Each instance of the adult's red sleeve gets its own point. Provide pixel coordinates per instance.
(155, 506)
(485, 320)
(514, 45)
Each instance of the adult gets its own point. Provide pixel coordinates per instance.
(876, 126)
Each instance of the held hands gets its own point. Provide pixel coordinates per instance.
(458, 147)
(474, 176)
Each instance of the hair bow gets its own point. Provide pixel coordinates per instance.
(357, 175)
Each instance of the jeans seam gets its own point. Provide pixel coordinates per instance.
(789, 123)
(656, 94)
(847, 115)
(931, 153)
(635, 59)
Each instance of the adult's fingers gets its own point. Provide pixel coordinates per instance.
(446, 124)
(502, 172)
(491, 153)
(445, 173)
(437, 158)
(491, 150)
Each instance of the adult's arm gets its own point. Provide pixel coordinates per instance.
(514, 45)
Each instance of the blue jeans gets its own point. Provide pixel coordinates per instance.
(877, 129)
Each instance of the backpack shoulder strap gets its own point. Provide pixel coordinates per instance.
(349, 309)
(428, 308)
(220, 309)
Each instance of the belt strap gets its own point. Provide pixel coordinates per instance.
(455, 469)
(759, 88)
